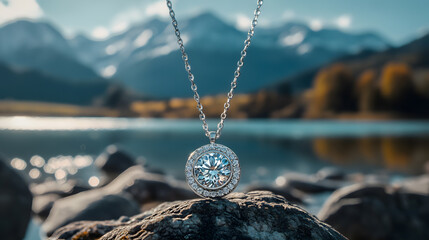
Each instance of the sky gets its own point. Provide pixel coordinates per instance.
(397, 20)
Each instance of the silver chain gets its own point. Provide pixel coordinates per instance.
(213, 135)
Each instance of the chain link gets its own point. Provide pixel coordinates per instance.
(191, 78)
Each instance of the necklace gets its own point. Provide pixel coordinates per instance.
(213, 170)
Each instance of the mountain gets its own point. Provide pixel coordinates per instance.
(35, 86)
(120, 48)
(146, 57)
(415, 54)
(37, 45)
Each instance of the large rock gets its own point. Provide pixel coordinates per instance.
(377, 212)
(255, 215)
(135, 186)
(15, 204)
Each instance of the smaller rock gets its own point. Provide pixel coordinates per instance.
(331, 173)
(377, 212)
(147, 187)
(15, 203)
(309, 184)
(136, 185)
(416, 184)
(114, 161)
(89, 207)
(61, 189)
(42, 204)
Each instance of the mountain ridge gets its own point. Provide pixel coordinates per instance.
(214, 46)
(40, 46)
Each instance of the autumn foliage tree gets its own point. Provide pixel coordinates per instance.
(397, 87)
(263, 103)
(367, 92)
(332, 91)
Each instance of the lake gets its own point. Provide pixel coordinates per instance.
(266, 148)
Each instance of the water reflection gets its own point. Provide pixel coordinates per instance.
(34, 173)
(59, 168)
(266, 148)
(93, 181)
(403, 154)
(18, 164)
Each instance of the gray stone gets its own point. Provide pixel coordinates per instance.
(377, 212)
(310, 184)
(88, 207)
(331, 173)
(114, 161)
(418, 184)
(15, 204)
(255, 215)
(43, 204)
(61, 189)
(147, 187)
(136, 185)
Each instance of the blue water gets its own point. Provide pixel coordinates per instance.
(266, 148)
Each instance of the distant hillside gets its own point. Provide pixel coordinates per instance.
(36, 86)
(415, 54)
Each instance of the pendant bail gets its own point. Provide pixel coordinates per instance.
(212, 136)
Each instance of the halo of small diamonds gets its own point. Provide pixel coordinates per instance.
(229, 171)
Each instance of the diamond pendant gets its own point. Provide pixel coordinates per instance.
(212, 170)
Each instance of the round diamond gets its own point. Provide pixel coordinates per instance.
(212, 170)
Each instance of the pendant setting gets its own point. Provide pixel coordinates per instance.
(212, 170)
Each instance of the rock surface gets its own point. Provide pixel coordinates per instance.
(291, 195)
(377, 212)
(15, 204)
(255, 215)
